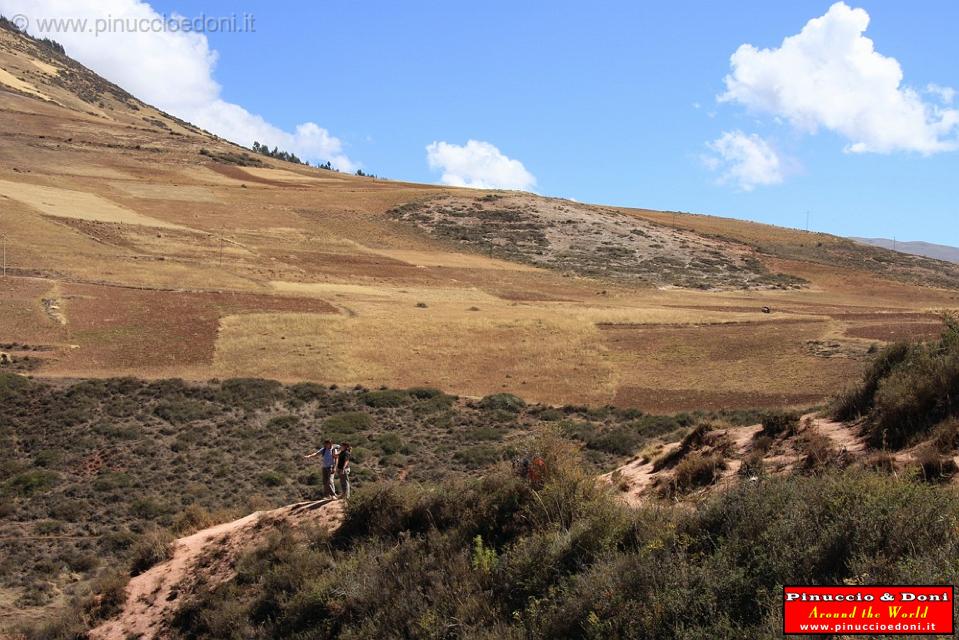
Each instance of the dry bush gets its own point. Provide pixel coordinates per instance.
(932, 466)
(945, 436)
(818, 449)
(780, 423)
(154, 547)
(880, 461)
(694, 471)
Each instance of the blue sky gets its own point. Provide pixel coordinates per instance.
(616, 102)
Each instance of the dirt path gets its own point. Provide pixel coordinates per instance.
(153, 596)
(634, 479)
(843, 436)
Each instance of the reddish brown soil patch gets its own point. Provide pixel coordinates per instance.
(131, 329)
(669, 400)
(901, 317)
(891, 331)
(22, 318)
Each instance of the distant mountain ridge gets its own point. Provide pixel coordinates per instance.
(916, 248)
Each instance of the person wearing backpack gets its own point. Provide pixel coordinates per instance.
(343, 469)
(329, 456)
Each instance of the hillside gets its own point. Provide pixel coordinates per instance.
(97, 475)
(927, 249)
(91, 470)
(138, 245)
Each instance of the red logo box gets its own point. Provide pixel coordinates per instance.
(872, 610)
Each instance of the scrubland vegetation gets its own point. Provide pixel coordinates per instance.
(103, 473)
(910, 390)
(493, 557)
(443, 539)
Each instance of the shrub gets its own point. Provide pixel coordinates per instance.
(696, 470)
(621, 440)
(184, 410)
(477, 456)
(390, 443)
(934, 467)
(152, 548)
(692, 440)
(858, 400)
(33, 482)
(272, 479)
(818, 449)
(880, 461)
(777, 423)
(503, 402)
(907, 390)
(753, 466)
(945, 437)
(13, 388)
(348, 423)
(282, 423)
(305, 392)
(423, 393)
(384, 398)
(250, 393)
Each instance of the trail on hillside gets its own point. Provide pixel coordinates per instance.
(638, 480)
(208, 555)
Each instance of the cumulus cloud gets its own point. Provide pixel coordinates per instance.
(747, 161)
(170, 69)
(830, 76)
(479, 165)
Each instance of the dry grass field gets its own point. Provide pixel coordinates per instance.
(135, 247)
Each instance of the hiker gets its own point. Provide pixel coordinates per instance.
(343, 469)
(329, 462)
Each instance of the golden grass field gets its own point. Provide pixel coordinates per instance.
(161, 261)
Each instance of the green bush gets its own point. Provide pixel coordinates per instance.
(390, 443)
(503, 402)
(907, 390)
(423, 393)
(858, 400)
(384, 398)
(348, 423)
(33, 482)
(183, 410)
(250, 393)
(272, 479)
(480, 455)
(305, 392)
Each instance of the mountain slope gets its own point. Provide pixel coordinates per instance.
(927, 249)
(140, 245)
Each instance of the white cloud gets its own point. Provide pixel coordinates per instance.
(747, 161)
(945, 94)
(829, 75)
(479, 165)
(172, 70)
